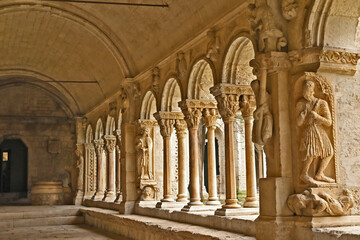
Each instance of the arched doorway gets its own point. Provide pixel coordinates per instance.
(13, 167)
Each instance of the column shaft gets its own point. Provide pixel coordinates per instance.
(194, 168)
(181, 136)
(166, 173)
(251, 198)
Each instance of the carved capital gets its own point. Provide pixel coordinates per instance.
(99, 146)
(110, 143)
(211, 115)
(166, 127)
(181, 127)
(192, 112)
(247, 105)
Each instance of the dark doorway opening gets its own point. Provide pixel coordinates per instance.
(13, 167)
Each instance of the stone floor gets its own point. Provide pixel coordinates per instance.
(57, 232)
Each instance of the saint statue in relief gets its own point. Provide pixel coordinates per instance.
(314, 116)
(144, 155)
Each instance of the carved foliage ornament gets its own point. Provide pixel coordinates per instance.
(110, 143)
(166, 126)
(99, 146)
(192, 117)
(339, 57)
(181, 127)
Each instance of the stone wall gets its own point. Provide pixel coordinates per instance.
(31, 115)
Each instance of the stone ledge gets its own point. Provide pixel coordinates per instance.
(143, 227)
(238, 224)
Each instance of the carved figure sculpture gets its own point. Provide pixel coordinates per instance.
(311, 204)
(148, 194)
(270, 38)
(144, 155)
(156, 78)
(313, 115)
(79, 167)
(266, 125)
(213, 48)
(289, 9)
(181, 65)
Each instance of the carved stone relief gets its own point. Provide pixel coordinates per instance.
(213, 48)
(315, 131)
(156, 78)
(144, 153)
(79, 166)
(338, 61)
(289, 9)
(263, 118)
(263, 24)
(321, 203)
(181, 65)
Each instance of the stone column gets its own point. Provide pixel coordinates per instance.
(248, 105)
(110, 147)
(118, 166)
(166, 129)
(99, 148)
(193, 116)
(211, 116)
(227, 97)
(181, 128)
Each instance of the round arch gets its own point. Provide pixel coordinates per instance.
(236, 67)
(110, 125)
(201, 79)
(171, 96)
(99, 131)
(148, 106)
(89, 134)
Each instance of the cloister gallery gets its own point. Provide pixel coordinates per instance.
(164, 119)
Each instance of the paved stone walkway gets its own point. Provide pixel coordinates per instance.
(57, 232)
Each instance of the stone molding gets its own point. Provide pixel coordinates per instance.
(201, 104)
(340, 62)
(227, 88)
(147, 123)
(168, 115)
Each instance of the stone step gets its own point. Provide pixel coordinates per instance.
(26, 216)
(48, 221)
(150, 228)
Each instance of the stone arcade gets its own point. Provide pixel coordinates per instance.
(164, 119)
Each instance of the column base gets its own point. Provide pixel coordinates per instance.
(236, 211)
(99, 196)
(213, 201)
(251, 202)
(126, 207)
(149, 204)
(182, 198)
(118, 198)
(109, 197)
(170, 204)
(200, 208)
(78, 200)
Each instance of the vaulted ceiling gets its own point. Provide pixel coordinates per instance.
(85, 50)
